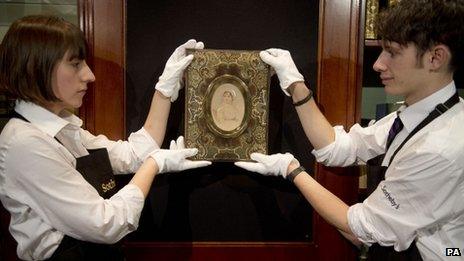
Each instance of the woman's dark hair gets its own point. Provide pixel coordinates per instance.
(426, 23)
(29, 52)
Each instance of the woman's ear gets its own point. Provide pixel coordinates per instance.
(439, 57)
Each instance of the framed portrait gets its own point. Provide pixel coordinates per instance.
(226, 104)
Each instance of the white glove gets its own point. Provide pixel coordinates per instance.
(170, 81)
(269, 165)
(175, 159)
(177, 144)
(283, 64)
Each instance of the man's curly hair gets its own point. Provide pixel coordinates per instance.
(426, 23)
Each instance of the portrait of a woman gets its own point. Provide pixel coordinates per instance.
(227, 107)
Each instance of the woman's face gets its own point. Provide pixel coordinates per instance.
(227, 97)
(69, 83)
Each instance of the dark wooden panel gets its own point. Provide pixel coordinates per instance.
(103, 22)
(338, 95)
(219, 251)
(191, 207)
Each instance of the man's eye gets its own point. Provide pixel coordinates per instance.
(390, 52)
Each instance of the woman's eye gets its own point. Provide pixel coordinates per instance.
(75, 63)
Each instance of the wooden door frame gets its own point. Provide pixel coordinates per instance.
(338, 94)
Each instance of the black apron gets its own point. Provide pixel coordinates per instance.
(376, 173)
(96, 170)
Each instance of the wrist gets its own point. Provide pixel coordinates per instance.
(299, 91)
(294, 173)
(292, 166)
(151, 161)
(306, 99)
(161, 95)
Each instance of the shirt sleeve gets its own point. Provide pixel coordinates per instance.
(52, 188)
(402, 207)
(359, 144)
(125, 156)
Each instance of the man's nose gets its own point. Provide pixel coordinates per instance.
(379, 65)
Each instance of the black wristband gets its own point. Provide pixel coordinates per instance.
(291, 176)
(305, 100)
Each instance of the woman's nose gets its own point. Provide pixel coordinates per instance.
(88, 75)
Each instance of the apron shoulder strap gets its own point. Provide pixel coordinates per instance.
(439, 110)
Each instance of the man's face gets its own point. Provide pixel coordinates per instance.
(401, 71)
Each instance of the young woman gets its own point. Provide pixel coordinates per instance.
(56, 179)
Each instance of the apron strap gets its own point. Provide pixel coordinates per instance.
(439, 110)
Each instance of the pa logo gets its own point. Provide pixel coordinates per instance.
(453, 251)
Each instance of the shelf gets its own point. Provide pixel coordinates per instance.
(40, 2)
(372, 43)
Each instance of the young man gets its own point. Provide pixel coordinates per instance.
(419, 203)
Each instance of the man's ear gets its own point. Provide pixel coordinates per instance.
(439, 57)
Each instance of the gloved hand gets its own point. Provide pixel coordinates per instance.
(269, 165)
(175, 159)
(177, 144)
(283, 64)
(170, 81)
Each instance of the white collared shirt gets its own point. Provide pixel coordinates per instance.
(48, 198)
(422, 196)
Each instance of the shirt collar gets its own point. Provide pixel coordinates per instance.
(412, 115)
(45, 120)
